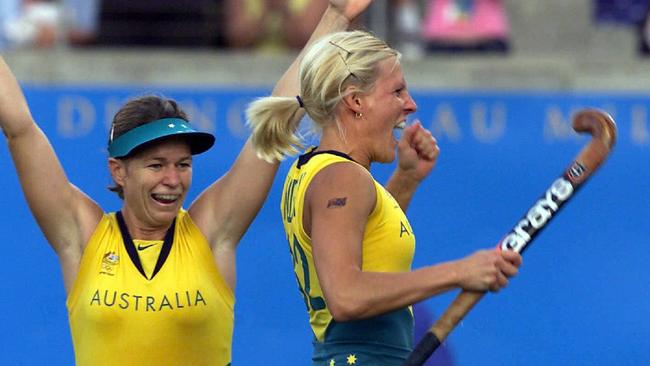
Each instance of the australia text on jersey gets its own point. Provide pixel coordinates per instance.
(126, 301)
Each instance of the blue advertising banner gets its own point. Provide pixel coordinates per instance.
(581, 297)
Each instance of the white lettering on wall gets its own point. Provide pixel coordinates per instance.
(490, 129)
(557, 126)
(639, 125)
(202, 114)
(235, 118)
(75, 116)
(444, 123)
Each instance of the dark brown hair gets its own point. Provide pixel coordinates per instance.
(137, 112)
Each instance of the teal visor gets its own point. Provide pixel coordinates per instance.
(157, 130)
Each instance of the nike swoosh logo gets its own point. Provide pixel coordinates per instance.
(143, 247)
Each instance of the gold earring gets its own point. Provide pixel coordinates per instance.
(358, 115)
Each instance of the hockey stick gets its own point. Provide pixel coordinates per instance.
(603, 131)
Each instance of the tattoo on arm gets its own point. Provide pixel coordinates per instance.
(336, 202)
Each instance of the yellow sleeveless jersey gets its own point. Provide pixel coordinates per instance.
(388, 246)
(176, 311)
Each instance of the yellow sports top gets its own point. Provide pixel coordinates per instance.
(178, 314)
(388, 246)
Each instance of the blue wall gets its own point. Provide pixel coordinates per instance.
(582, 297)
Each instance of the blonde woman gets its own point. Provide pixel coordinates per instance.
(351, 242)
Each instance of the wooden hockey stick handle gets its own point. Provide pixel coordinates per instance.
(602, 128)
(437, 334)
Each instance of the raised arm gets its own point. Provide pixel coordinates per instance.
(337, 233)
(417, 155)
(337, 17)
(225, 210)
(65, 215)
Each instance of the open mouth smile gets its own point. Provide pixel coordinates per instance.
(165, 199)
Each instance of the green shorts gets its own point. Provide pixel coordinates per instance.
(359, 355)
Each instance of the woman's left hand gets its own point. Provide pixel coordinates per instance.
(417, 151)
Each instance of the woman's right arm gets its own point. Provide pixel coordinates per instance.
(224, 210)
(339, 200)
(66, 216)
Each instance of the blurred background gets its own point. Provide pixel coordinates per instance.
(496, 82)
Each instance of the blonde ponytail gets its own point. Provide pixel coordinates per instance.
(273, 121)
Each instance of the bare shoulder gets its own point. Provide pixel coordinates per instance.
(342, 184)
